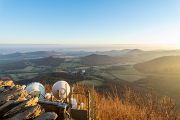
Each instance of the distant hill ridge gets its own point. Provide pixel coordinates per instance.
(28, 55)
(125, 56)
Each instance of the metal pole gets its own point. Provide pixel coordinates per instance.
(66, 93)
(89, 101)
(93, 104)
(70, 96)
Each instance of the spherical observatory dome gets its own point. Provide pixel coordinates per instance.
(61, 89)
(34, 87)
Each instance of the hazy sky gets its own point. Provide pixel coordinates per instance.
(90, 21)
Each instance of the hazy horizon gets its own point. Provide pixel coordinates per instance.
(12, 48)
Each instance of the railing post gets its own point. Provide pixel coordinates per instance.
(89, 105)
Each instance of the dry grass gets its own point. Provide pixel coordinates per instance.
(134, 107)
(130, 106)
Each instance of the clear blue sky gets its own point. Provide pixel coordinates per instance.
(89, 21)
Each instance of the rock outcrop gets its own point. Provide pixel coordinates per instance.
(17, 104)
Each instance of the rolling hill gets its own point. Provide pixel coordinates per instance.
(163, 65)
(137, 56)
(47, 61)
(95, 59)
(132, 56)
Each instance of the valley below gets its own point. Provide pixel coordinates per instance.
(134, 68)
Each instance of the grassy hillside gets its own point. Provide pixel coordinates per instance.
(168, 85)
(165, 65)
